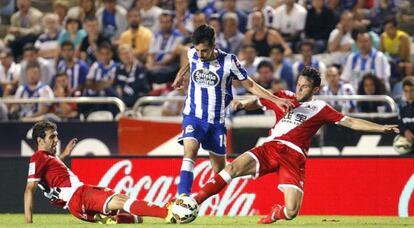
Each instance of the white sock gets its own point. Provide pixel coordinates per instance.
(187, 165)
(225, 175)
(128, 204)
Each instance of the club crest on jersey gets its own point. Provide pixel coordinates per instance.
(205, 78)
(189, 129)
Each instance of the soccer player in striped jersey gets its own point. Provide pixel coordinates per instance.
(210, 72)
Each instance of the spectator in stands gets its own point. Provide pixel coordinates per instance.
(231, 39)
(264, 76)
(336, 7)
(406, 110)
(9, 73)
(306, 50)
(396, 44)
(34, 89)
(48, 42)
(319, 24)
(378, 15)
(366, 60)
(277, 85)
(73, 32)
(334, 86)
(31, 57)
(267, 11)
(372, 85)
(290, 19)
(199, 18)
(93, 39)
(163, 62)
(229, 6)
(183, 17)
(250, 59)
(150, 14)
(340, 39)
(24, 26)
(112, 20)
(62, 89)
(215, 22)
(137, 36)
(262, 38)
(75, 69)
(405, 16)
(282, 66)
(86, 9)
(102, 73)
(60, 8)
(131, 81)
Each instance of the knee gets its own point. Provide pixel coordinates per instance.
(292, 211)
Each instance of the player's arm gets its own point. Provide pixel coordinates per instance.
(28, 200)
(247, 104)
(182, 74)
(259, 91)
(68, 149)
(364, 125)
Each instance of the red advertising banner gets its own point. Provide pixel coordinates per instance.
(333, 186)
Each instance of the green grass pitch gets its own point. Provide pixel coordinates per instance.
(42, 220)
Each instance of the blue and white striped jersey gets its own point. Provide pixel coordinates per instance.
(76, 74)
(210, 86)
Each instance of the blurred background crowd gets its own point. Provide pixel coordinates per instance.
(133, 48)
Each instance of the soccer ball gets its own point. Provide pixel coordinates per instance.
(184, 209)
(402, 145)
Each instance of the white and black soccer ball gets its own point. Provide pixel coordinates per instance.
(402, 145)
(185, 209)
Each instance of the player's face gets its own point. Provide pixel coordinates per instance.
(204, 51)
(409, 93)
(305, 89)
(50, 141)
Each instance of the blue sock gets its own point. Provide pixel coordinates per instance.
(186, 177)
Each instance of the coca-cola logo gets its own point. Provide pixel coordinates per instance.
(234, 200)
(205, 78)
(405, 196)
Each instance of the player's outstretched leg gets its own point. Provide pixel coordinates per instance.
(137, 207)
(293, 202)
(191, 147)
(243, 165)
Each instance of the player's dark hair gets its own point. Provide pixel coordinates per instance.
(204, 34)
(306, 43)
(67, 43)
(278, 47)
(313, 74)
(40, 128)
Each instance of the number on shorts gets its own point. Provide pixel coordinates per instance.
(222, 140)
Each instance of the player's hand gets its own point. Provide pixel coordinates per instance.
(178, 82)
(236, 105)
(391, 129)
(285, 104)
(69, 147)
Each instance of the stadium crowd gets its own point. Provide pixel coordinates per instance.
(133, 48)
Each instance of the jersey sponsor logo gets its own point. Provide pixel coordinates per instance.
(189, 129)
(32, 168)
(294, 118)
(205, 78)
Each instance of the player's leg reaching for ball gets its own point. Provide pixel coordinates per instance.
(191, 146)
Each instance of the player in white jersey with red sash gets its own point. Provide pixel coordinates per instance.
(64, 189)
(286, 148)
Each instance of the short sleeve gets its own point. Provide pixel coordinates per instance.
(237, 70)
(330, 115)
(37, 168)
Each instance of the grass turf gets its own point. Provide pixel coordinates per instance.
(52, 220)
